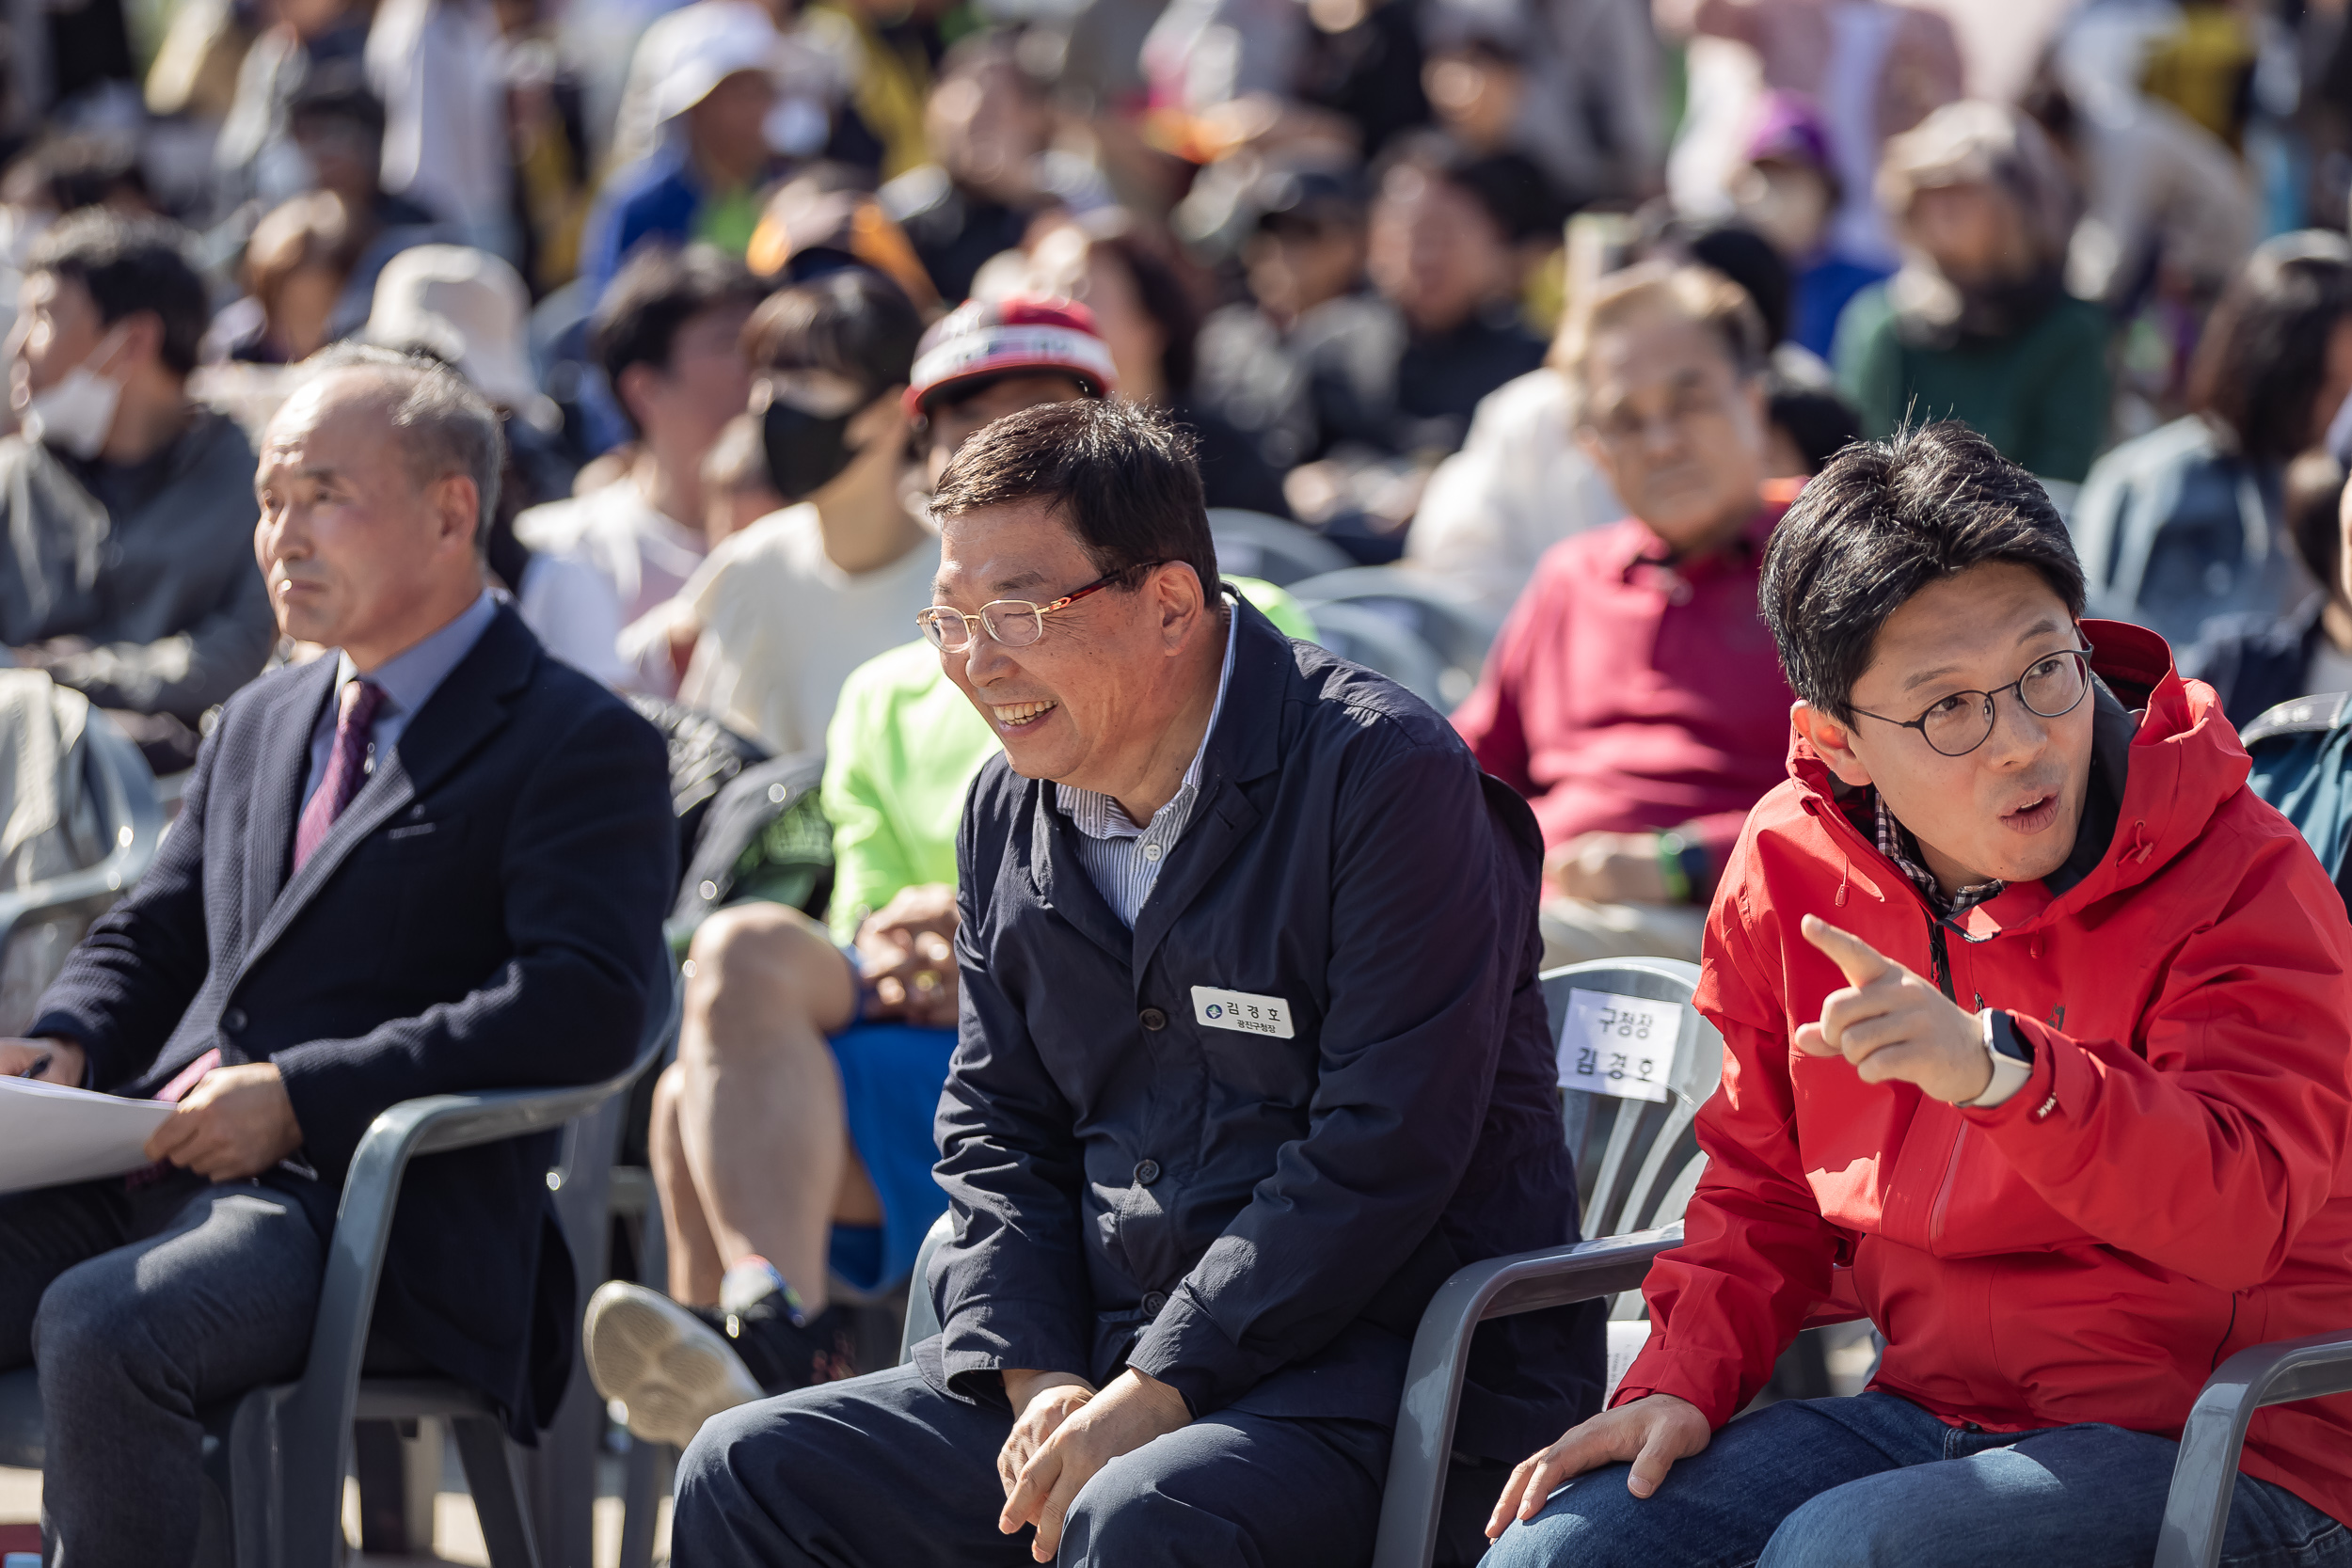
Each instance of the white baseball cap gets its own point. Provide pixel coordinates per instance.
(696, 47)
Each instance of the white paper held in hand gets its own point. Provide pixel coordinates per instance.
(1619, 1045)
(51, 1134)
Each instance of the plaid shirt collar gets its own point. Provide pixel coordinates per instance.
(1897, 845)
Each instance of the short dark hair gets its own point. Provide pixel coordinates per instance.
(657, 292)
(1748, 258)
(127, 266)
(2264, 355)
(2313, 496)
(854, 323)
(337, 92)
(75, 171)
(1513, 192)
(1818, 421)
(1120, 473)
(1162, 295)
(1881, 521)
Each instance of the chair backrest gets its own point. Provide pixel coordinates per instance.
(1254, 544)
(1636, 1062)
(40, 924)
(1364, 636)
(1458, 631)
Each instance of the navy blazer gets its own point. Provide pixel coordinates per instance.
(1259, 1222)
(485, 915)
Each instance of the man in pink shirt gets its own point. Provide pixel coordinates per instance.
(1634, 696)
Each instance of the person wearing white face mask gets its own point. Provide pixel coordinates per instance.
(128, 509)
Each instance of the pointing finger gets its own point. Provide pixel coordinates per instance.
(1861, 963)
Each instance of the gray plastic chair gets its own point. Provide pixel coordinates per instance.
(2197, 1511)
(1637, 1162)
(1364, 636)
(1456, 629)
(279, 1455)
(1256, 545)
(57, 912)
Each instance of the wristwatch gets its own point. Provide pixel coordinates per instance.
(2011, 1056)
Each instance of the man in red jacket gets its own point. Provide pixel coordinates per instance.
(2036, 1052)
(1633, 696)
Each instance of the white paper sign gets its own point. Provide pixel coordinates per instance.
(1619, 1045)
(51, 1134)
(1240, 1010)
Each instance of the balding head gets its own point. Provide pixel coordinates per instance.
(376, 482)
(443, 425)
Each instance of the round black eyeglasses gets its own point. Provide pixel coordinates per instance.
(1958, 724)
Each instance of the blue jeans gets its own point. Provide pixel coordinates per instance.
(1874, 1478)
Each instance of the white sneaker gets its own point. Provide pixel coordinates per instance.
(669, 1371)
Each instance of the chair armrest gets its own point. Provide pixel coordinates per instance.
(2196, 1513)
(316, 1418)
(1497, 1288)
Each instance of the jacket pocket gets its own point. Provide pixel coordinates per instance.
(409, 839)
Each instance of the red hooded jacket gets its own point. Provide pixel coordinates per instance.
(2170, 1186)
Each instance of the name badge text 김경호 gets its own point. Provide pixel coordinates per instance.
(1619, 1045)
(1241, 1011)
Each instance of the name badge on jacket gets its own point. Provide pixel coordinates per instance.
(1239, 1009)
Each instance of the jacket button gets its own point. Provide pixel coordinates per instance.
(1152, 1018)
(1152, 1302)
(232, 1021)
(1147, 1173)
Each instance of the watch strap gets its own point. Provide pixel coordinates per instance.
(2010, 1055)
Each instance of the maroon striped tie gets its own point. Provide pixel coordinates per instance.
(347, 766)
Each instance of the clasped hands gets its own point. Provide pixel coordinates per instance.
(1892, 1026)
(1063, 1431)
(907, 948)
(237, 1122)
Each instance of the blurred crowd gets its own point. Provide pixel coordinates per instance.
(699, 256)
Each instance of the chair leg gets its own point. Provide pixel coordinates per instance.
(641, 1501)
(498, 1498)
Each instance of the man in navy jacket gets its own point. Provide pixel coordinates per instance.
(433, 862)
(1252, 1057)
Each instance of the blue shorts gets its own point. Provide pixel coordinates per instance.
(891, 1075)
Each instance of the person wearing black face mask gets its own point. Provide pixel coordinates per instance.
(775, 619)
(807, 444)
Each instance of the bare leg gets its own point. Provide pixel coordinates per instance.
(759, 1110)
(694, 1263)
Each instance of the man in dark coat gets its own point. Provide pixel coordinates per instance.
(433, 862)
(1252, 1058)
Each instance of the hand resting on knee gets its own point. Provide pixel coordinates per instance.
(1652, 1432)
(1063, 1433)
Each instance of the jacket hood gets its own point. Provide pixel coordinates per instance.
(2182, 762)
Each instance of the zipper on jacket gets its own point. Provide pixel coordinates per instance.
(1944, 1188)
(1942, 956)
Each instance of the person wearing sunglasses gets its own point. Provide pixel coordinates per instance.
(2036, 1026)
(1252, 1057)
